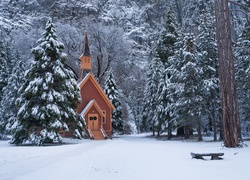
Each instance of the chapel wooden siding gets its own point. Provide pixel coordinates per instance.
(95, 107)
(90, 90)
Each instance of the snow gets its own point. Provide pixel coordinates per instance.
(126, 157)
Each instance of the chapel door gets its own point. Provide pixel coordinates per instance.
(93, 122)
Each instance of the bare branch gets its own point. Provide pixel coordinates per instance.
(238, 4)
(231, 10)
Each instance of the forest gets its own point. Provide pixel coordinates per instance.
(163, 55)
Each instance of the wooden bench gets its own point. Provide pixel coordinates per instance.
(214, 156)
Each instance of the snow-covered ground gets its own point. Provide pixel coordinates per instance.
(130, 157)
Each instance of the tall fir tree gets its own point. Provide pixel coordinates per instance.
(49, 96)
(164, 51)
(161, 116)
(113, 94)
(154, 74)
(192, 10)
(206, 43)
(4, 74)
(242, 54)
(165, 45)
(188, 82)
(10, 94)
(3, 67)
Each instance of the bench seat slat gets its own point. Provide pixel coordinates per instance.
(214, 156)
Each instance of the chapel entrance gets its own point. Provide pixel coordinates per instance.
(93, 122)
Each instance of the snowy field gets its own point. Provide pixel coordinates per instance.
(133, 157)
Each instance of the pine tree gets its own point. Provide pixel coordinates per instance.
(194, 9)
(188, 78)
(165, 45)
(161, 116)
(243, 73)
(206, 43)
(3, 67)
(151, 96)
(49, 96)
(113, 94)
(10, 94)
(165, 50)
(3, 80)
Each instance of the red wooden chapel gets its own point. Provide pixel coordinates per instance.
(95, 107)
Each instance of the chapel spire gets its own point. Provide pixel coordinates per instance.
(85, 58)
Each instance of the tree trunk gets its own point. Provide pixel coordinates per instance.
(187, 131)
(214, 121)
(213, 114)
(199, 129)
(230, 115)
(180, 131)
(153, 128)
(169, 130)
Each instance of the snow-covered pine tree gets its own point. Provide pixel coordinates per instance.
(192, 10)
(243, 73)
(3, 67)
(206, 43)
(113, 94)
(189, 102)
(161, 116)
(49, 96)
(3, 79)
(165, 49)
(10, 94)
(151, 96)
(165, 46)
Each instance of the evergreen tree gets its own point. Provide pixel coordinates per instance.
(188, 77)
(151, 95)
(10, 94)
(112, 92)
(206, 43)
(243, 73)
(175, 88)
(49, 96)
(194, 9)
(4, 73)
(165, 50)
(165, 45)
(161, 116)
(3, 67)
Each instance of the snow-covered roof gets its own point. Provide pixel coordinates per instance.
(89, 105)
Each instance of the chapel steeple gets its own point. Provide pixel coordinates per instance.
(85, 58)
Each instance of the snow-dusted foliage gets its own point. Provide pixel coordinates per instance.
(168, 37)
(164, 51)
(150, 116)
(206, 43)
(10, 93)
(5, 71)
(187, 79)
(243, 73)
(3, 67)
(49, 96)
(161, 115)
(113, 94)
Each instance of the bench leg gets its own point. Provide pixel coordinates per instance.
(215, 158)
(199, 157)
